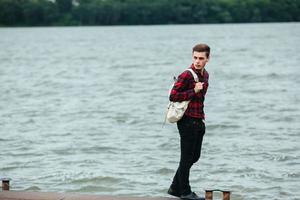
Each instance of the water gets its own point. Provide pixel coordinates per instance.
(81, 109)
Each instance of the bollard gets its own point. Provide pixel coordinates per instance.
(226, 195)
(208, 194)
(5, 183)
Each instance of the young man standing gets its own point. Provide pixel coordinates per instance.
(191, 126)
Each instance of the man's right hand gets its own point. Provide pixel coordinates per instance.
(198, 87)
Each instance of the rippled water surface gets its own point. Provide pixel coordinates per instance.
(81, 109)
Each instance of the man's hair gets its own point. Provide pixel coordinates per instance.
(202, 48)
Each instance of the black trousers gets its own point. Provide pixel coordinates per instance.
(191, 132)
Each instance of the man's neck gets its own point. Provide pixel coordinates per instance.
(201, 70)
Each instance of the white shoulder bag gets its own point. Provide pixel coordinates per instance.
(176, 110)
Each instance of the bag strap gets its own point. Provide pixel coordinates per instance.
(194, 75)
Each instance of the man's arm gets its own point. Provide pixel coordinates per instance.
(205, 84)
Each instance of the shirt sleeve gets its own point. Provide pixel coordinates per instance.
(180, 92)
(205, 85)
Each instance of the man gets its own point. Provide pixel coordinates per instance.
(191, 127)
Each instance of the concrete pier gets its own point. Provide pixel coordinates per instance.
(25, 195)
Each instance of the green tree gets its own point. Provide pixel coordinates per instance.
(11, 13)
(64, 6)
(33, 13)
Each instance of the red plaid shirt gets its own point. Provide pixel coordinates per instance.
(183, 90)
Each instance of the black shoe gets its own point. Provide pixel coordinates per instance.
(191, 196)
(173, 192)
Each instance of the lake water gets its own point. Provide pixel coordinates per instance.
(81, 109)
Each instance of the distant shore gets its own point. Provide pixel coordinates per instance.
(28, 13)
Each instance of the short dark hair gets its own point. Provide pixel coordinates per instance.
(202, 48)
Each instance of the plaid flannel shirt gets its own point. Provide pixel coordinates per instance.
(183, 90)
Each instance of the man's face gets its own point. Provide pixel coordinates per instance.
(199, 59)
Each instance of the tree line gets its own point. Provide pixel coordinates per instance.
(137, 12)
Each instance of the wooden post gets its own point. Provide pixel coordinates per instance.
(226, 195)
(208, 194)
(5, 183)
